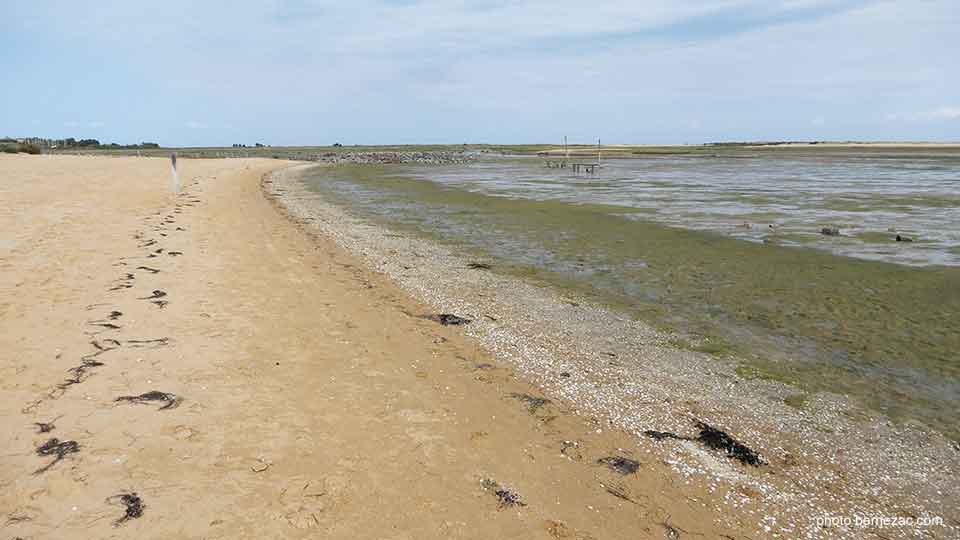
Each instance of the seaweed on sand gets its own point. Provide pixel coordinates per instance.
(124, 282)
(57, 448)
(148, 343)
(505, 497)
(479, 266)
(662, 435)
(508, 498)
(79, 373)
(103, 346)
(620, 465)
(172, 400)
(157, 293)
(715, 439)
(448, 319)
(533, 402)
(620, 493)
(105, 325)
(112, 316)
(719, 440)
(133, 506)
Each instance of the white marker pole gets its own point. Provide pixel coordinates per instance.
(175, 180)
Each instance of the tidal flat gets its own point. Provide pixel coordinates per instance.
(818, 453)
(725, 254)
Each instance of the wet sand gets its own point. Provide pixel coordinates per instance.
(287, 390)
(823, 456)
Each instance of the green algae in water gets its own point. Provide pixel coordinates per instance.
(797, 401)
(883, 333)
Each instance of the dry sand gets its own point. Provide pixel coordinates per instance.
(311, 401)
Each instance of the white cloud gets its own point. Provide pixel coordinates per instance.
(946, 113)
(304, 70)
(936, 115)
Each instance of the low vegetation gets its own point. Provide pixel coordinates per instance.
(19, 148)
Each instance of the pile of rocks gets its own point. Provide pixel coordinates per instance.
(368, 158)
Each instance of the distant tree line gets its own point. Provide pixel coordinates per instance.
(759, 143)
(70, 142)
(11, 146)
(143, 145)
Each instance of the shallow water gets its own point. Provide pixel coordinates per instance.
(663, 240)
(869, 198)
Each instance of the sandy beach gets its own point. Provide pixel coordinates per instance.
(198, 366)
(480, 270)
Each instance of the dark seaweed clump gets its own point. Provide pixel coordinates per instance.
(533, 402)
(105, 325)
(134, 506)
(172, 400)
(508, 498)
(79, 373)
(479, 266)
(719, 440)
(448, 319)
(505, 497)
(620, 464)
(154, 295)
(715, 439)
(123, 282)
(59, 449)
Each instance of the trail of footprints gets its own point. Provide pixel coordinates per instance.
(110, 323)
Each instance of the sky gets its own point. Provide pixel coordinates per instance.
(302, 72)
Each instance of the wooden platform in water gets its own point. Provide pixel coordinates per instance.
(575, 166)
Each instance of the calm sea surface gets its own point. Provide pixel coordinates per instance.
(726, 251)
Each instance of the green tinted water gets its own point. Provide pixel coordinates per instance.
(885, 334)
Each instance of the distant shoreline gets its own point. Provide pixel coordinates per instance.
(616, 150)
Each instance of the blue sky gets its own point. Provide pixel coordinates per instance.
(287, 72)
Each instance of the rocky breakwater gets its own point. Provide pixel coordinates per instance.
(375, 158)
